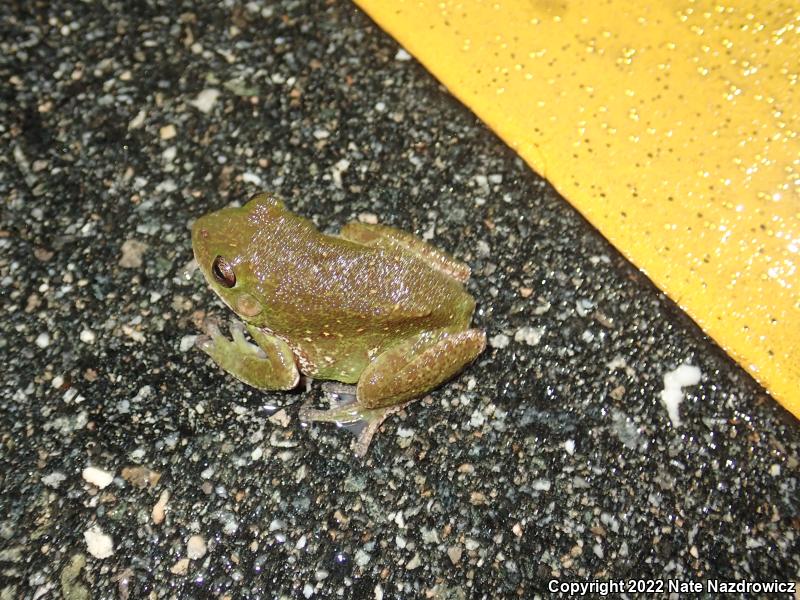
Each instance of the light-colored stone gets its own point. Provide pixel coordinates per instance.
(98, 477)
(99, 544)
(196, 547)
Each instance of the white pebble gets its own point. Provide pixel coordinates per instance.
(477, 419)
(252, 179)
(99, 544)
(54, 479)
(98, 477)
(205, 100)
(43, 340)
(338, 170)
(169, 154)
(87, 336)
(402, 55)
(569, 446)
(187, 342)
(196, 547)
(499, 341)
(672, 394)
(137, 121)
(541, 485)
(529, 335)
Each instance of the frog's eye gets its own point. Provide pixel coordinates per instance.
(223, 272)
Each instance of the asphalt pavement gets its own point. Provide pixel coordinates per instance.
(132, 467)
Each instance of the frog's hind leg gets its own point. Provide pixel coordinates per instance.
(385, 236)
(399, 375)
(417, 365)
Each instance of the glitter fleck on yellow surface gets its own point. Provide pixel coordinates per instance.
(674, 127)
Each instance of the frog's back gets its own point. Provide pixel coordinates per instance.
(322, 278)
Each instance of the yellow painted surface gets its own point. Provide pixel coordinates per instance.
(672, 126)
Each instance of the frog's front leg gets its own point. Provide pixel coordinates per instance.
(398, 375)
(268, 366)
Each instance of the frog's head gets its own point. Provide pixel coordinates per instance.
(221, 242)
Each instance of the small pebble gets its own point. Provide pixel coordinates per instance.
(97, 477)
(252, 179)
(167, 132)
(530, 335)
(281, 418)
(137, 121)
(499, 341)
(187, 342)
(43, 340)
(87, 336)
(99, 544)
(132, 252)
(180, 567)
(672, 394)
(196, 547)
(205, 100)
(367, 217)
(53, 479)
(159, 509)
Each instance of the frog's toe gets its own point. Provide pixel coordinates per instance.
(240, 341)
(236, 328)
(204, 343)
(211, 328)
(362, 422)
(269, 368)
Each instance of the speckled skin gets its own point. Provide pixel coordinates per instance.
(374, 306)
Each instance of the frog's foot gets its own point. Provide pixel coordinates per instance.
(361, 422)
(267, 366)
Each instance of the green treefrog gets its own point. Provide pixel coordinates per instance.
(374, 306)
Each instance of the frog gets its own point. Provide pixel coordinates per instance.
(375, 308)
